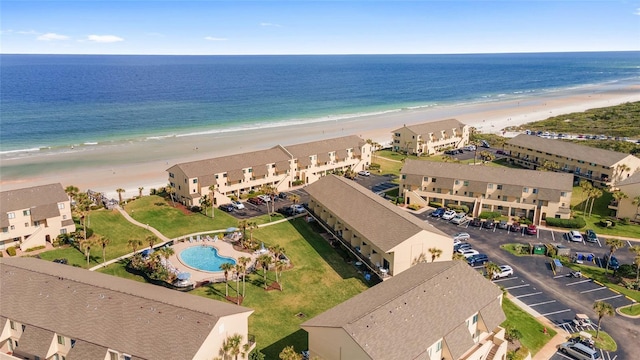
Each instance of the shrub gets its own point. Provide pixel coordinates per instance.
(195, 208)
(153, 191)
(11, 251)
(625, 221)
(575, 223)
(415, 206)
(35, 248)
(297, 183)
(435, 204)
(463, 208)
(626, 270)
(489, 215)
(374, 166)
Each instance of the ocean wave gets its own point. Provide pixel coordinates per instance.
(8, 152)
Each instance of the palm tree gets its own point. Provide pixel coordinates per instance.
(595, 194)
(492, 269)
(151, 240)
(243, 224)
(103, 241)
(212, 188)
(226, 267)
(585, 186)
(269, 191)
(550, 165)
(458, 256)
(420, 259)
(140, 191)
(252, 225)
(85, 244)
(620, 169)
(83, 205)
(244, 261)
(205, 202)
(166, 252)
(619, 195)
(280, 265)
(636, 202)
(636, 260)
(435, 253)
(265, 260)
(238, 269)
(289, 353)
(233, 343)
(134, 244)
(294, 198)
(602, 309)
(170, 191)
(613, 244)
(120, 191)
(71, 191)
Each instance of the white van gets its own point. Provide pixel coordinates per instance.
(579, 351)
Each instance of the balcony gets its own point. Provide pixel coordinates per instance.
(613, 205)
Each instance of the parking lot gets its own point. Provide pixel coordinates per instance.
(557, 297)
(250, 210)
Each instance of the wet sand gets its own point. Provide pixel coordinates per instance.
(143, 164)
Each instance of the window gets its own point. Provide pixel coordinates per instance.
(11, 215)
(404, 177)
(60, 339)
(26, 224)
(113, 355)
(535, 191)
(439, 346)
(26, 212)
(171, 175)
(433, 179)
(475, 318)
(5, 229)
(12, 325)
(36, 223)
(63, 231)
(457, 182)
(563, 194)
(490, 186)
(525, 190)
(13, 227)
(195, 181)
(466, 183)
(499, 187)
(60, 206)
(126, 357)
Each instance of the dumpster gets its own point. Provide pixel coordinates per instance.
(539, 249)
(557, 266)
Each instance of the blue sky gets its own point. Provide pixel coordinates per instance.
(316, 27)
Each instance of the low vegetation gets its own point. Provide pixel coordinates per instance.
(532, 332)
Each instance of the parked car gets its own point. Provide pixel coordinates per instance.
(237, 204)
(476, 222)
(265, 198)
(255, 201)
(462, 247)
(226, 207)
(489, 224)
(469, 253)
(470, 147)
(286, 211)
(500, 152)
(515, 227)
(591, 236)
(459, 218)
(298, 209)
(438, 212)
(364, 173)
(479, 259)
(505, 271)
(532, 230)
(574, 236)
(448, 215)
(282, 195)
(503, 225)
(462, 236)
(579, 351)
(61, 261)
(613, 262)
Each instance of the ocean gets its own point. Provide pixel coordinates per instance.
(61, 101)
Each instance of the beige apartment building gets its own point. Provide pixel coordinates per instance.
(33, 216)
(535, 195)
(281, 167)
(387, 239)
(431, 137)
(58, 312)
(435, 311)
(604, 168)
(625, 208)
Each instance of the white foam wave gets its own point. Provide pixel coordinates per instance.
(20, 151)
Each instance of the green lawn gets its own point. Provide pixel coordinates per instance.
(532, 331)
(319, 280)
(599, 275)
(118, 269)
(604, 340)
(600, 211)
(631, 310)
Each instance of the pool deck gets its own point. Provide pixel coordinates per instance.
(224, 249)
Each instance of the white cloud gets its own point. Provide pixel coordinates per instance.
(21, 32)
(52, 37)
(104, 38)
(269, 24)
(211, 38)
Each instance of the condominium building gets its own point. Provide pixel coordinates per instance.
(604, 168)
(281, 167)
(628, 207)
(431, 137)
(535, 195)
(32, 216)
(442, 310)
(58, 312)
(385, 238)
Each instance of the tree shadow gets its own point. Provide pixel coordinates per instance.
(299, 340)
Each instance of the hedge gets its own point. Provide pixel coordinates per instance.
(374, 166)
(414, 206)
(11, 251)
(489, 215)
(575, 223)
(463, 208)
(435, 204)
(35, 248)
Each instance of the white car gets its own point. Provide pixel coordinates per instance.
(469, 253)
(265, 198)
(448, 215)
(364, 173)
(237, 204)
(461, 236)
(459, 218)
(505, 271)
(456, 242)
(574, 235)
(298, 209)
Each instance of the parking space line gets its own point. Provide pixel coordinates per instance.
(588, 291)
(525, 295)
(614, 358)
(559, 276)
(628, 242)
(564, 356)
(610, 297)
(542, 303)
(555, 312)
(516, 287)
(505, 279)
(553, 236)
(579, 282)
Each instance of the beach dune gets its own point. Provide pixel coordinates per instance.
(132, 165)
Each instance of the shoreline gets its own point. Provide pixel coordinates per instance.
(137, 164)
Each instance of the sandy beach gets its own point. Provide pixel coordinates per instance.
(143, 164)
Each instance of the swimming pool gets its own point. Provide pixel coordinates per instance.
(204, 258)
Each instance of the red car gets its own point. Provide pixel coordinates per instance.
(532, 229)
(255, 201)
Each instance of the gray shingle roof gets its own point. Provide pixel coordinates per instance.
(570, 150)
(32, 197)
(384, 224)
(489, 174)
(633, 179)
(144, 320)
(399, 318)
(83, 350)
(435, 127)
(35, 340)
(325, 146)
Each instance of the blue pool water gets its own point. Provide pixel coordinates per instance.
(204, 258)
